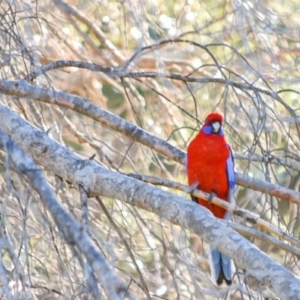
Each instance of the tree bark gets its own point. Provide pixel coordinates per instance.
(99, 181)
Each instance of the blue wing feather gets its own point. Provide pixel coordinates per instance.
(230, 171)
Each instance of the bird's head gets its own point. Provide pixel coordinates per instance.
(213, 124)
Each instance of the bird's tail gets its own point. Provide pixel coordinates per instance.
(220, 267)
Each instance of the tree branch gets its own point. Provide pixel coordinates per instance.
(99, 181)
(232, 207)
(22, 89)
(71, 229)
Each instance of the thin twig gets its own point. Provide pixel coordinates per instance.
(124, 241)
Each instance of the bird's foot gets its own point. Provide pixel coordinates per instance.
(210, 197)
(191, 189)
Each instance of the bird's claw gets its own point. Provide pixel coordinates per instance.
(191, 189)
(211, 196)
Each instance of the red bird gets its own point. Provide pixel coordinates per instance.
(210, 168)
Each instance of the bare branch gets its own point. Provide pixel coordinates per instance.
(84, 206)
(23, 89)
(244, 214)
(269, 159)
(68, 9)
(72, 230)
(143, 283)
(127, 84)
(99, 181)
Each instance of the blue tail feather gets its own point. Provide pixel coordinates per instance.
(221, 267)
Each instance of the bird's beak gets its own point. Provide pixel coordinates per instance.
(216, 127)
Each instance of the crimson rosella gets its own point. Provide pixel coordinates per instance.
(210, 168)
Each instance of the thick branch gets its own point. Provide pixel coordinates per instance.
(99, 181)
(23, 89)
(71, 229)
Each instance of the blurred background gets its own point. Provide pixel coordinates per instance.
(237, 57)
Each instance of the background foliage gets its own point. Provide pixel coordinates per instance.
(238, 57)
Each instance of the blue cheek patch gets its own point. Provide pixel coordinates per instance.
(209, 130)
